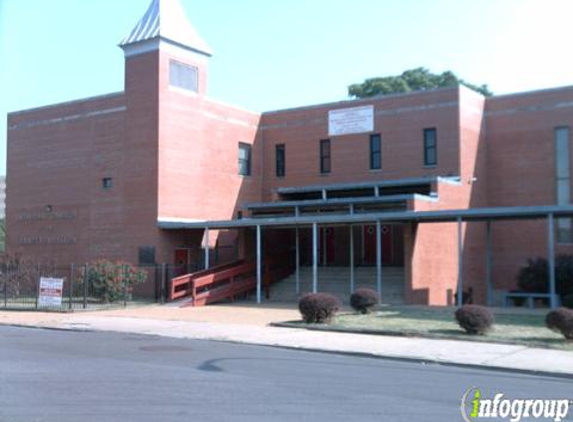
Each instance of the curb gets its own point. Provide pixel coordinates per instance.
(422, 361)
(402, 334)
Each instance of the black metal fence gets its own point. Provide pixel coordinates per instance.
(86, 286)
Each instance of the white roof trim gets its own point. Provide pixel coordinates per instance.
(179, 220)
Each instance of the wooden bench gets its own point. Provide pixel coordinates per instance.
(529, 298)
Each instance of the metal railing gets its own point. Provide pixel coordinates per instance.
(20, 287)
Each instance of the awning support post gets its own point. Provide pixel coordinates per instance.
(314, 257)
(489, 263)
(351, 259)
(259, 261)
(460, 294)
(297, 260)
(379, 258)
(551, 259)
(324, 247)
(206, 248)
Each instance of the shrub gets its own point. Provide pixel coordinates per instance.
(568, 301)
(18, 275)
(561, 321)
(475, 319)
(364, 300)
(112, 281)
(318, 307)
(534, 277)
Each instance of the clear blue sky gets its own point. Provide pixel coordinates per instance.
(272, 54)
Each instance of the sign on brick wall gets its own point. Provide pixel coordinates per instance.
(351, 120)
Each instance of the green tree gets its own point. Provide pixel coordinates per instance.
(418, 79)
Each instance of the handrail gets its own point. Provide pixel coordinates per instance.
(226, 281)
(185, 280)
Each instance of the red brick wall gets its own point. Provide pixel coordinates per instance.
(174, 154)
(400, 120)
(198, 155)
(521, 171)
(57, 156)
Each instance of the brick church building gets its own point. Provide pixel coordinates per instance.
(425, 194)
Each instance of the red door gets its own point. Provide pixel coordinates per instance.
(369, 236)
(181, 260)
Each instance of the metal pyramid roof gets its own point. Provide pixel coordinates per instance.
(166, 19)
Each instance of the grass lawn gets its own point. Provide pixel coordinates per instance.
(520, 328)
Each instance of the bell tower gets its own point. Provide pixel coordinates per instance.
(165, 33)
(166, 63)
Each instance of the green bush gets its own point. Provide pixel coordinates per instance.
(561, 321)
(318, 307)
(113, 281)
(474, 319)
(363, 300)
(567, 301)
(534, 277)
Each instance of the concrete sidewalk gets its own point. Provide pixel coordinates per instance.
(250, 326)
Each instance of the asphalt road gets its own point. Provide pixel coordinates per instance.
(62, 376)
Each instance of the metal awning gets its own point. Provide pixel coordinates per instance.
(339, 201)
(441, 216)
(372, 184)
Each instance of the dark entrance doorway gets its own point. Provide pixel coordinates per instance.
(326, 246)
(392, 245)
(334, 241)
(182, 260)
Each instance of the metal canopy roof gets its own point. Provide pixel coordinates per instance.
(166, 19)
(444, 216)
(365, 185)
(339, 201)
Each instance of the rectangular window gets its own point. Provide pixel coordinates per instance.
(375, 152)
(183, 76)
(107, 183)
(563, 182)
(430, 147)
(146, 255)
(325, 156)
(280, 160)
(244, 159)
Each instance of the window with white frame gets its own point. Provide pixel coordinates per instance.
(183, 76)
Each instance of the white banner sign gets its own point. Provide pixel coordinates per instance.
(50, 292)
(351, 120)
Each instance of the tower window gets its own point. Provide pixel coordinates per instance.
(182, 75)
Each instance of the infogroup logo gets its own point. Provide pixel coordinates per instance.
(475, 407)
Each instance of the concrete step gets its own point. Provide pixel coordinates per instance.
(336, 280)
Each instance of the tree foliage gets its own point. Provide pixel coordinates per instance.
(534, 277)
(419, 79)
(113, 280)
(17, 274)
